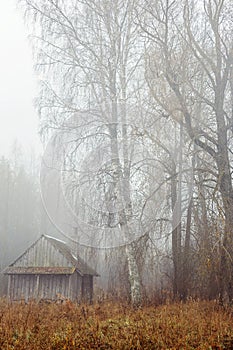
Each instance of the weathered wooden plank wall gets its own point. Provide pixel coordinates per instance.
(43, 254)
(50, 287)
(87, 288)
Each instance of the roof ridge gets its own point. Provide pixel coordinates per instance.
(79, 263)
(61, 246)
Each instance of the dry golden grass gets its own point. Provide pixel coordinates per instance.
(192, 325)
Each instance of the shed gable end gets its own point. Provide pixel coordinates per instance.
(42, 254)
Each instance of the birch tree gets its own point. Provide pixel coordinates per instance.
(89, 55)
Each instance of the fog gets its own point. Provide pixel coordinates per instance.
(133, 101)
(18, 85)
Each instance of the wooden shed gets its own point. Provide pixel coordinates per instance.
(48, 270)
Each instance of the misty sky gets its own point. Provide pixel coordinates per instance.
(17, 81)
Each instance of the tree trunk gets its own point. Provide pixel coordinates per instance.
(134, 277)
(176, 188)
(226, 264)
(122, 189)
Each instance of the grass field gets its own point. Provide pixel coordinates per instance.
(191, 325)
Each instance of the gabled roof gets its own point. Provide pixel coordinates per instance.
(74, 263)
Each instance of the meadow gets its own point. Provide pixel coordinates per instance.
(114, 325)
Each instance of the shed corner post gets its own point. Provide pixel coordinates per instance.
(9, 288)
(37, 287)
